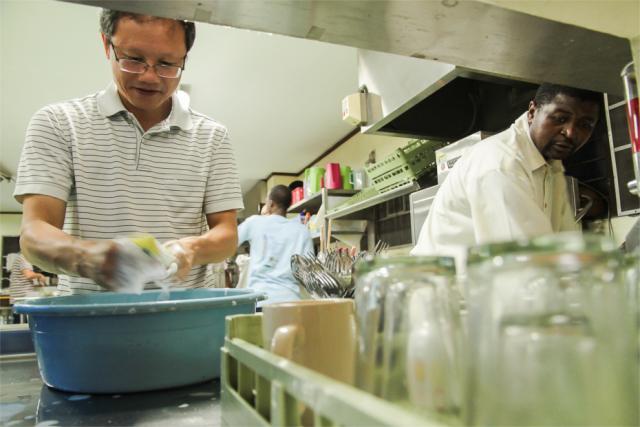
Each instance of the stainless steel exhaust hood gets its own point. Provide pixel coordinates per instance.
(427, 99)
(480, 37)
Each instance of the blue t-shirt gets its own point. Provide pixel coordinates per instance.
(274, 239)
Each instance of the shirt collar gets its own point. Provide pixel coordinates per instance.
(110, 104)
(532, 156)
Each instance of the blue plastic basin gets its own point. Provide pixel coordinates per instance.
(118, 343)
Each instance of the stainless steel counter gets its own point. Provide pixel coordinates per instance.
(26, 401)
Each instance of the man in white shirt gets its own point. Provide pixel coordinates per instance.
(512, 184)
(133, 158)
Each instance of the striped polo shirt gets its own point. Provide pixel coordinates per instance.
(118, 180)
(19, 285)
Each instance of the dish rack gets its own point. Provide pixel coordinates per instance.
(361, 196)
(405, 164)
(260, 388)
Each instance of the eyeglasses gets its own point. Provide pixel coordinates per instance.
(139, 67)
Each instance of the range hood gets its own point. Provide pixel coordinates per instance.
(428, 99)
(480, 37)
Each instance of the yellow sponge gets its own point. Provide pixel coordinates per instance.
(147, 243)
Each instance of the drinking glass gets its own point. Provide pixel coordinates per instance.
(407, 312)
(551, 334)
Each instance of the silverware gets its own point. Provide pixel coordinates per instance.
(329, 274)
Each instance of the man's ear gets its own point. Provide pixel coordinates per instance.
(266, 209)
(531, 112)
(105, 42)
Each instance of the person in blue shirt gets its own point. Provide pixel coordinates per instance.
(273, 239)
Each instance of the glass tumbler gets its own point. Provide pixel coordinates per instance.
(407, 312)
(552, 337)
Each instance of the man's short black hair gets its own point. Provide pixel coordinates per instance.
(295, 184)
(280, 195)
(547, 92)
(109, 19)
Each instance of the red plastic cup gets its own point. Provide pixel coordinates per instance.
(297, 194)
(332, 176)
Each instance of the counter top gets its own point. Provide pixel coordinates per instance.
(26, 401)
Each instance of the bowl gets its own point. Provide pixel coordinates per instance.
(118, 343)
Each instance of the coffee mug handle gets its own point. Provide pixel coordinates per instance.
(283, 340)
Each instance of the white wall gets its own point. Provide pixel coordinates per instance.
(31, 78)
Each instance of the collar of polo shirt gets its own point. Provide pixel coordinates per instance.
(109, 104)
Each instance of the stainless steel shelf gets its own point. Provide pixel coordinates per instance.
(316, 238)
(313, 202)
(359, 210)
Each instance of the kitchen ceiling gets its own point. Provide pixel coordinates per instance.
(279, 96)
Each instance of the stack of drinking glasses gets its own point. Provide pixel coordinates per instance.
(409, 333)
(553, 334)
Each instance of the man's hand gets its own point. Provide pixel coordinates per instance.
(40, 279)
(214, 246)
(44, 244)
(47, 246)
(123, 264)
(98, 261)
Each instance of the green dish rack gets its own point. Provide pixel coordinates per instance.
(404, 165)
(361, 196)
(261, 389)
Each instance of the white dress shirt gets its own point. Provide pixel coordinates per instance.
(501, 189)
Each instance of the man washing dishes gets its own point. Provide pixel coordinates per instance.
(132, 158)
(512, 185)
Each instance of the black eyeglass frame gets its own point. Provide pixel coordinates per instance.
(147, 66)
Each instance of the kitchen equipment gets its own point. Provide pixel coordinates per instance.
(260, 388)
(374, 277)
(318, 334)
(115, 342)
(313, 180)
(419, 204)
(329, 275)
(316, 279)
(633, 121)
(581, 202)
(552, 337)
(404, 165)
(345, 173)
(333, 177)
(447, 156)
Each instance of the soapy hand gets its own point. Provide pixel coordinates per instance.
(98, 262)
(126, 264)
(140, 260)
